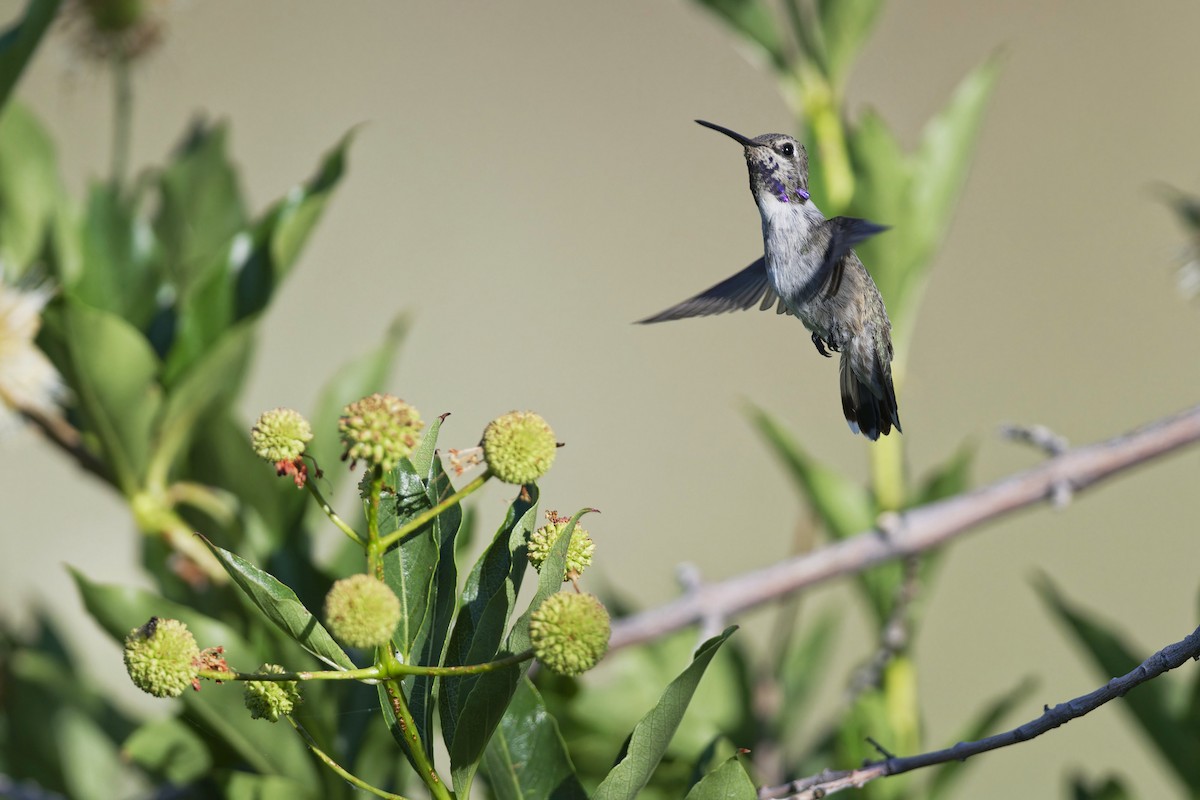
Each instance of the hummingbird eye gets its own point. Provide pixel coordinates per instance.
(786, 149)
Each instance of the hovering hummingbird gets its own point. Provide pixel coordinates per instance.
(810, 269)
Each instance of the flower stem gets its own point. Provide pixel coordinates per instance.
(333, 516)
(420, 520)
(364, 674)
(396, 670)
(374, 549)
(412, 737)
(345, 774)
(122, 117)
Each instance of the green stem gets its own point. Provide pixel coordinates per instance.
(221, 506)
(374, 550)
(412, 737)
(389, 668)
(420, 520)
(396, 670)
(122, 117)
(345, 774)
(333, 517)
(363, 674)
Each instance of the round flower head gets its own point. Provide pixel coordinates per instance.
(570, 632)
(280, 435)
(380, 430)
(579, 551)
(162, 657)
(362, 611)
(271, 700)
(104, 28)
(519, 447)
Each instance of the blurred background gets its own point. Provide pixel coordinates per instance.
(526, 180)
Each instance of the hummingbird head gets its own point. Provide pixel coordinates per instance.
(778, 164)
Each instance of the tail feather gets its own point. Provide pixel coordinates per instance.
(870, 408)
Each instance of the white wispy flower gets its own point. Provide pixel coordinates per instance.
(27, 378)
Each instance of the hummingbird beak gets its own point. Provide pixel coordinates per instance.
(737, 137)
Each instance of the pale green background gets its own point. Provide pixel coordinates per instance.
(528, 181)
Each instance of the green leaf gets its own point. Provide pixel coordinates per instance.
(843, 507)
(114, 377)
(1112, 788)
(119, 269)
(91, 766)
(727, 782)
(243, 786)
(844, 27)
(752, 19)
(19, 41)
(169, 750)
(241, 279)
(651, 736)
(883, 172)
(986, 722)
(282, 607)
(200, 206)
(411, 567)
(471, 706)
(282, 233)
(950, 478)
(30, 192)
(1150, 703)
(527, 758)
(355, 379)
(800, 671)
(941, 165)
(214, 380)
(120, 609)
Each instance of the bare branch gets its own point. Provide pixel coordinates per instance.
(62, 434)
(828, 782)
(915, 530)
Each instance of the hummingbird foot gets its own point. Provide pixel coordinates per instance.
(821, 344)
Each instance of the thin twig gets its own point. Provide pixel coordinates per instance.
(67, 438)
(828, 782)
(915, 530)
(893, 636)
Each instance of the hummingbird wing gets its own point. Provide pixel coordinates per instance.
(844, 233)
(743, 290)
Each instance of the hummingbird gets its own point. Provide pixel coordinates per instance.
(810, 271)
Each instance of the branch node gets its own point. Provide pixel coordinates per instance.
(883, 751)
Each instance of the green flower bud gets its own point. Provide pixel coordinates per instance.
(362, 611)
(570, 632)
(519, 447)
(579, 551)
(271, 700)
(162, 657)
(280, 435)
(380, 430)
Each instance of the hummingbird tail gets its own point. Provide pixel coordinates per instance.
(869, 406)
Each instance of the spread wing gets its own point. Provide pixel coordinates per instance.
(844, 233)
(743, 290)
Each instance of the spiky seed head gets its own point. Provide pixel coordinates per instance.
(162, 657)
(271, 700)
(380, 429)
(362, 611)
(570, 632)
(579, 551)
(519, 447)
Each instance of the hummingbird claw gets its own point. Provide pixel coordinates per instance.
(820, 344)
